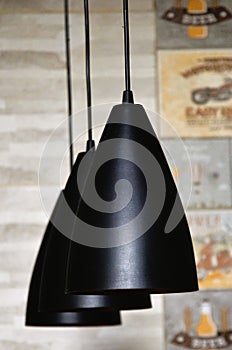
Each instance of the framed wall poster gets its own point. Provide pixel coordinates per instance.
(200, 320)
(209, 172)
(212, 239)
(194, 23)
(195, 89)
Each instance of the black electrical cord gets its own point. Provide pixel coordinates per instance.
(87, 72)
(69, 82)
(127, 94)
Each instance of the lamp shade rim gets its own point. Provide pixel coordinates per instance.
(73, 319)
(101, 302)
(128, 291)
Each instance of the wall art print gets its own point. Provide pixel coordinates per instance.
(200, 320)
(207, 163)
(212, 239)
(194, 23)
(196, 92)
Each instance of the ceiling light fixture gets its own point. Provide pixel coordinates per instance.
(141, 241)
(47, 303)
(52, 296)
(70, 317)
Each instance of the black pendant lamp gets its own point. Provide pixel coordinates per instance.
(52, 296)
(34, 318)
(60, 318)
(141, 242)
(52, 287)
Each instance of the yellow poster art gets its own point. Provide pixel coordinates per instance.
(212, 240)
(195, 90)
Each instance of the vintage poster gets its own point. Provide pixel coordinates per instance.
(212, 239)
(195, 90)
(194, 23)
(207, 163)
(199, 320)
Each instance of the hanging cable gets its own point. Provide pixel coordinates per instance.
(87, 72)
(127, 94)
(69, 82)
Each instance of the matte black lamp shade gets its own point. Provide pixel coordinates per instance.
(161, 259)
(35, 318)
(52, 296)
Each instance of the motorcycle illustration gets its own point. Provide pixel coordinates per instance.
(221, 93)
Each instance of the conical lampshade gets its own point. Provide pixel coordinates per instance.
(61, 319)
(52, 296)
(132, 233)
